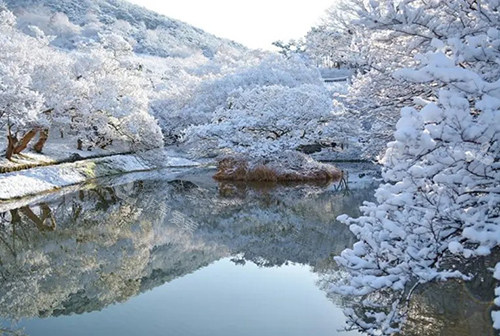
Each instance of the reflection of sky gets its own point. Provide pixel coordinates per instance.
(221, 299)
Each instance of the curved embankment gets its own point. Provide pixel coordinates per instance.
(50, 178)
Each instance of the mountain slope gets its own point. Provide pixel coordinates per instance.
(149, 32)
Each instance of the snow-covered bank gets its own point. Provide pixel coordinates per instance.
(44, 179)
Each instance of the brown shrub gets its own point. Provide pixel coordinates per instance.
(233, 169)
(262, 173)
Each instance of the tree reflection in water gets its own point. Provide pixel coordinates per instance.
(451, 308)
(101, 245)
(97, 246)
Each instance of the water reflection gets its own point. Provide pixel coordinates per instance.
(98, 246)
(101, 245)
(451, 308)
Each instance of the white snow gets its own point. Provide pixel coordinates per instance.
(495, 315)
(48, 178)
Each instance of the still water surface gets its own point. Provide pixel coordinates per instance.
(175, 253)
(220, 299)
(181, 256)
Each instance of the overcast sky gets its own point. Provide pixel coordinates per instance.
(254, 23)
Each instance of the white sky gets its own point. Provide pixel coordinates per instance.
(253, 23)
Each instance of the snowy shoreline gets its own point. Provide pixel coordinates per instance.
(44, 179)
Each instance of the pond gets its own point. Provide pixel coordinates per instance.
(174, 252)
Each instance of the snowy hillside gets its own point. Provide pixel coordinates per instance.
(149, 32)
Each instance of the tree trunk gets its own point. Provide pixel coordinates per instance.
(47, 214)
(25, 140)
(11, 145)
(44, 134)
(39, 221)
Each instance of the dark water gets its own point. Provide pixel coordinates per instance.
(178, 254)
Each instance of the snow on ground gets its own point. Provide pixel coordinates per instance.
(159, 174)
(48, 178)
(56, 150)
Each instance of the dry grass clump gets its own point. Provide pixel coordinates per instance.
(289, 167)
(262, 173)
(231, 169)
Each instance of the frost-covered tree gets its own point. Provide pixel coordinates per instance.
(132, 38)
(200, 91)
(266, 120)
(20, 105)
(329, 47)
(387, 35)
(112, 103)
(181, 92)
(277, 105)
(440, 200)
(52, 78)
(94, 93)
(290, 48)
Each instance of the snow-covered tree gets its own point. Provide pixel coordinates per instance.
(266, 120)
(52, 78)
(20, 105)
(290, 48)
(94, 93)
(130, 38)
(112, 104)
(277, 105)
(329, 47)
(440, 200)
(386, 35)
(181, 86)
(197, 91)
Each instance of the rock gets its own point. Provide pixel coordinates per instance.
(75, 157)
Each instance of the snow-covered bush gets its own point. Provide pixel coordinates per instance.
(440, 200)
